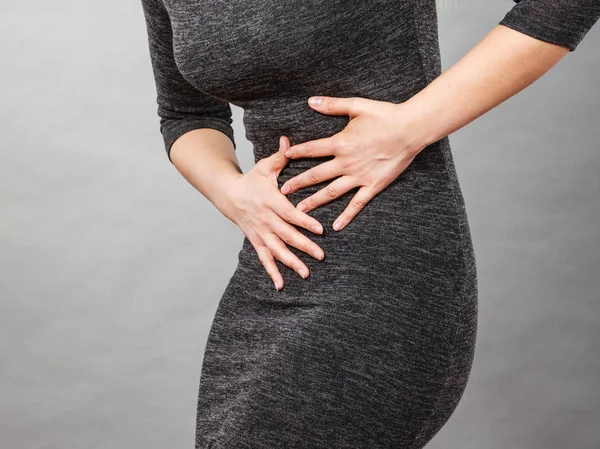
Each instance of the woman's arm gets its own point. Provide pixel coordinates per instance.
(196, 127)
(531, 38)
(199, 141)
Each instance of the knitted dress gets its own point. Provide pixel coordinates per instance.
(374, 349)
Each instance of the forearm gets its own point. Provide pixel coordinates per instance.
(207, 160)
(503, 63)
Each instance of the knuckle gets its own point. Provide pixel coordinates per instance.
(358, 204)
(276, 251)
(377, 186)
(313, 176)
(347, 162)
(340, 144)
(298, 265)
(262, 202)
(290, 260)
(310, 202)
(263, 218)
(308, 149)
(330, 191)
(286, 237)
(286, 214)
(306, 246)
(334, 145)
(257, 247)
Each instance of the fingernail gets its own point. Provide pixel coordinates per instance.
(317, 254)
(285, 188)
(301, 207)
(317, 228)
(276, 286)
(288, 153)
(304, 273)
(337, 225)
(315, 101)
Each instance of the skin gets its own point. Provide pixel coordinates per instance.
(502, 64)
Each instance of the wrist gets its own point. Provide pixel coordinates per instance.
(223, 197)
(417, 125)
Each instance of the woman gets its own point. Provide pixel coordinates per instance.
(374, 348)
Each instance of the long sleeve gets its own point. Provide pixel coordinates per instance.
(181, 107)
(562, 22)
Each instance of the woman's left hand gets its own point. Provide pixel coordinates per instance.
(379, 142)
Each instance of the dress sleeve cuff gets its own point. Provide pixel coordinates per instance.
(561, 22)
(173, 129)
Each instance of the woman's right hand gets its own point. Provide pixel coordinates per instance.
(265, 216)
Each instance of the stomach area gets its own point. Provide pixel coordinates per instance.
(408, 241)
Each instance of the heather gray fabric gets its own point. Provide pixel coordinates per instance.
(375, 348)
(562, 22)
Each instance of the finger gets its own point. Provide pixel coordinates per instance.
(322, 172)
(283, 253)
(284, 144)
(350, 106)
(290, 235)
(312, 148)
(328, 193)
(278, 160)
(358, 202)
(268, 261)
(286, 210)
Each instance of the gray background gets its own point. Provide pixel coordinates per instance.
(112, 265)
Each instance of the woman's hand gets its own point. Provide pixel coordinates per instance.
(378, 143)
(264, 214)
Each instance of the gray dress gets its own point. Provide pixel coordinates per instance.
(374, 349)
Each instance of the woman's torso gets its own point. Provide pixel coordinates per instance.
(269, 56)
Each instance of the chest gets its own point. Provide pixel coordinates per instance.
(220, 44)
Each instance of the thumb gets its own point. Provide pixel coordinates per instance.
(278, 160)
